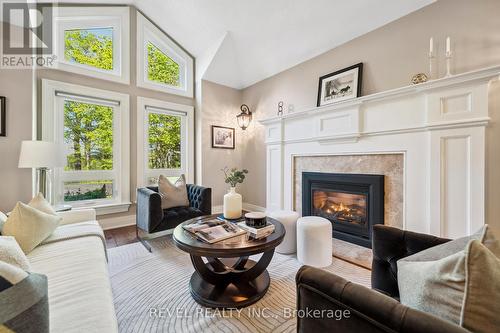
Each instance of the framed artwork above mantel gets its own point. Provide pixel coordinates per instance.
(340, 85)
(3, 116)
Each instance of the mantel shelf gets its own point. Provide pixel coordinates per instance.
(485, 74)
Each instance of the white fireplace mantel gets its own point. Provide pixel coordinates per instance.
(439, 126)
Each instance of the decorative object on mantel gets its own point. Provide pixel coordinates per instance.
(3, 124)
(448, 55)
(431, 58)
(245, 117)
(232, 200)
(222, 137)
(340, 85)
(419, 78)
(280, 108)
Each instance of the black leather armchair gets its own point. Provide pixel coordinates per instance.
(151, 218)
(370, 310)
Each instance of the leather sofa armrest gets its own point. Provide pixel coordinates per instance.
(367, 310)
(77, 216)
(391, 244)
(149, 213)
(200, 198)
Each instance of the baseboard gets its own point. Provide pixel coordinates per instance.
(117, 222)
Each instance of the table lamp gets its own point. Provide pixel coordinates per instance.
(42, 156)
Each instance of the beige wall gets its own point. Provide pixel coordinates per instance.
(391, 55)
(15, 183)
(220, 105)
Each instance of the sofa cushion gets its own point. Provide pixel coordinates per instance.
(80, 295)
(3, 219)
(482, 290)
(173, 195)
(11, 253)
(29, 226)
(434, 280)
(23, 301)
(41, 204)
(174, 216)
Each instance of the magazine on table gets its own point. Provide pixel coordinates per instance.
(214, 230)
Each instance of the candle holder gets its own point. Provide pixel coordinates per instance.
(448, 64)
(431, 65)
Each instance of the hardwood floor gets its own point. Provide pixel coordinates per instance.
(120, 236)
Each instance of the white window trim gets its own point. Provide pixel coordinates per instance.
(142, 141)
(95, 17)
(51, 123)
(147, 31)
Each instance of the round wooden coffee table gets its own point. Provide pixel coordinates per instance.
(228, 283)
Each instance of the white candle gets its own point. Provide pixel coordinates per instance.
(448, 45)
(431, 45)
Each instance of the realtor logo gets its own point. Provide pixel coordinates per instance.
(26, 34)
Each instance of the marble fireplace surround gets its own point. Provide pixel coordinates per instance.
(389, 165)
(428, 139)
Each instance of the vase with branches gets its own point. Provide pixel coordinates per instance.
(232, 200)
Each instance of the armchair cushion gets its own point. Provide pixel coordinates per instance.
(173, 195)
(389, 245)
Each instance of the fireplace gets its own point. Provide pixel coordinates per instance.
(352, 202)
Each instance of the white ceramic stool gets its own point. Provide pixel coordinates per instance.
(289, 220)
(314, 241)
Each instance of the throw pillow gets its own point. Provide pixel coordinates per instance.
(481, 306)
(11, 253)
(3, 218)
(24, 305)
(434, 280)
(173, 195)
(29, 226)
(41, 204)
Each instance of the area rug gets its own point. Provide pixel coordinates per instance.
(151, 293)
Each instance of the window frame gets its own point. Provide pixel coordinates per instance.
(53, 130)
(187, 134)
(148, 32)
(81, 18)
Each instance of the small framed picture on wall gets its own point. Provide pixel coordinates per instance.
(222, 137)
(3, 119)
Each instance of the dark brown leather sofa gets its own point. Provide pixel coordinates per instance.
(369, 310)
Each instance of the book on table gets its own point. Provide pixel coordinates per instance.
(257, 233)
(214, 230)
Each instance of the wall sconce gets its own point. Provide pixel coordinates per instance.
(244, 117)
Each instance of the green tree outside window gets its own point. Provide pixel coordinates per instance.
(92, 47)
(164, 141)
(162, 68)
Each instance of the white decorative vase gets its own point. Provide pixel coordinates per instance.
(232, 204)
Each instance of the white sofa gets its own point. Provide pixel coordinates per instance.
(80, 298)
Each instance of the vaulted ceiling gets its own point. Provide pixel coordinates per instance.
(240, 42)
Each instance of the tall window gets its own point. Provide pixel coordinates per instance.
(165, 141)
(161, 64)
(92, 126)
(93, 41)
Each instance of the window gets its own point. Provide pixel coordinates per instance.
(93, 41)
(165, 142)
(93, 127)
(161, 64)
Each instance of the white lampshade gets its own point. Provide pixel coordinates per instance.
(40, 154)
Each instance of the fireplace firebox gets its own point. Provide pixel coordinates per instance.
(352, 202)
